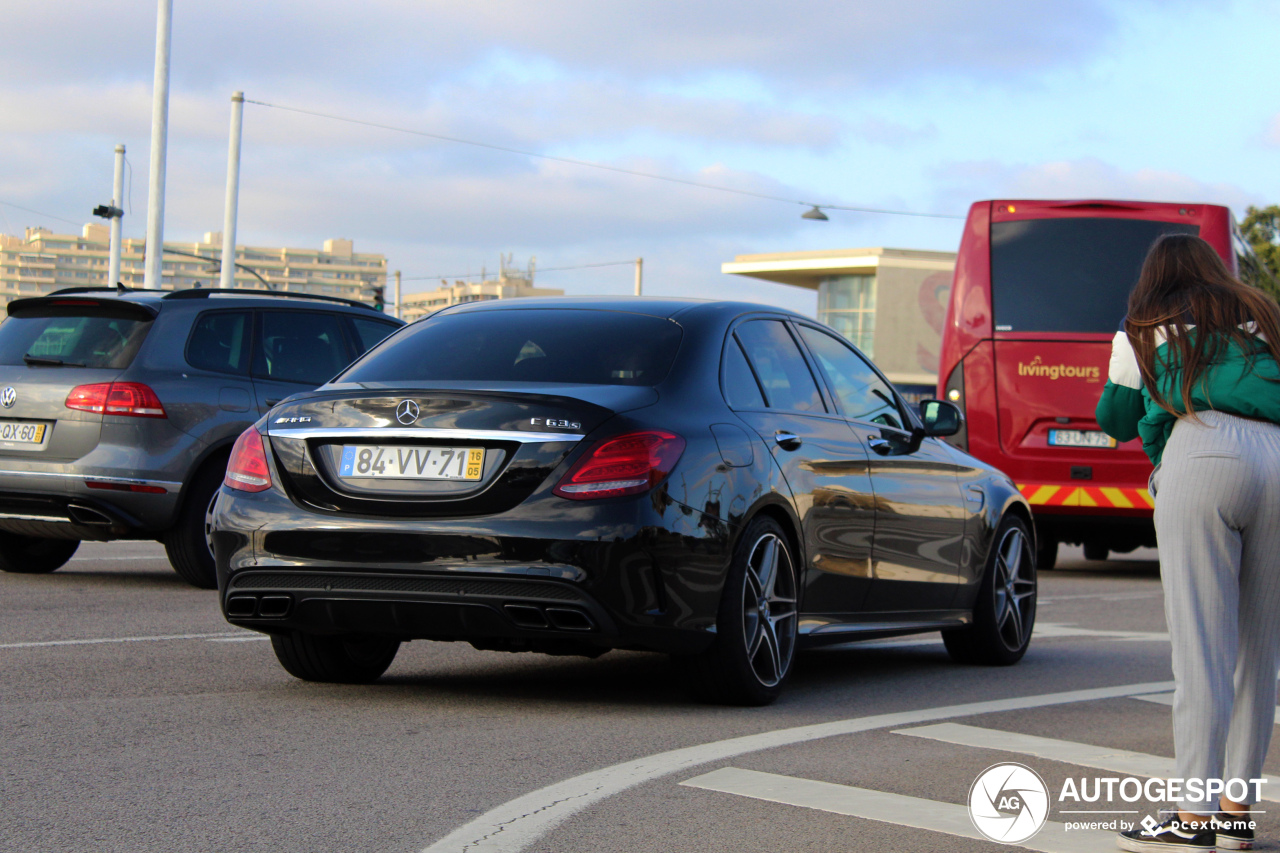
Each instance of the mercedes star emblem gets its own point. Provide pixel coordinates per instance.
(406, 412)
(8, 397)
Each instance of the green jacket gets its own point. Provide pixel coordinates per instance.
(1126, 410)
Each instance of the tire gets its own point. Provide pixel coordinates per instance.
(1005, 613)
(335, 660)
(1096, 551)
(1046, 554)
(757, 625)
(187, 544)
(31, 555)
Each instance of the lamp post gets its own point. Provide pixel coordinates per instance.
(159, 141)
(227, 278)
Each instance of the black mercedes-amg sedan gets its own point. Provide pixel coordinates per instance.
(723, 482)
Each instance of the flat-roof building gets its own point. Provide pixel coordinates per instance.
(890, 302)
(42, 261)
(511, 283)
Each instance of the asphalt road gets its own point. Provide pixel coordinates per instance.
(133, 718)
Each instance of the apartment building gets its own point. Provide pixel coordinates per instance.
(511, 283)
(42, 261)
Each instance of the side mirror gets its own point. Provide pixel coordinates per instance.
(940, 418)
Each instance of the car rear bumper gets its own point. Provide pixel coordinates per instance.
(634, 574)
(70, 505)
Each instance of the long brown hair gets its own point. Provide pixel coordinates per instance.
(1185, 284)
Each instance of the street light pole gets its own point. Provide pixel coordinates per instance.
(117, 201)
(399, 313)
(159, 141)
(227, 278)
(639, 274)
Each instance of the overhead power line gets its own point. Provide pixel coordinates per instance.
(593, 165)
(539, 269)
(40, 213)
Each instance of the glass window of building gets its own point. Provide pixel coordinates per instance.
(847, 303)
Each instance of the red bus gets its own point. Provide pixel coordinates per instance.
(1040, 289)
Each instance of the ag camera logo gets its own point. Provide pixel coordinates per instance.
(1008, 803)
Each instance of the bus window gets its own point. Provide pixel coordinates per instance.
(1068, 275)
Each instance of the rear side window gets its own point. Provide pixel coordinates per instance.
(304, 347)
(741, 391)
(370, 332)
(788, 384)
(572, 346)
(863, 395)
(220, 342)
(109, 342)
(1069, 275)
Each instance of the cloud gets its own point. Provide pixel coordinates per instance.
(1272, 134)
(1082, 178)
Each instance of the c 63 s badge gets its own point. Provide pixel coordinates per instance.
(552, 422)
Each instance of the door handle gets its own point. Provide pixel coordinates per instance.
(880, 445)
(787, 440)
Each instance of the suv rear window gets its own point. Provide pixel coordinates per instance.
(1069, 275)
(109, 342)
(570, 346)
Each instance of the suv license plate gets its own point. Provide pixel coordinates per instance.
(22, 433)
(384, 461)
(1080, 438)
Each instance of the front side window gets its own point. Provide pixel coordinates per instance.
(303, 347)
(220, 342)
(863, 395)
(787, 382)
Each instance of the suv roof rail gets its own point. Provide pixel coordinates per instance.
(204, 293)
(67, 291)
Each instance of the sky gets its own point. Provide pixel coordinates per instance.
(917, 105)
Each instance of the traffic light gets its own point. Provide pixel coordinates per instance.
(380, 298)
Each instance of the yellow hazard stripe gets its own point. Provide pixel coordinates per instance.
(1043, 494)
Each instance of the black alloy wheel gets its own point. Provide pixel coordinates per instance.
(188, 544)
(1005, 613)
(757, 625)
(335, 660)
(32, 555)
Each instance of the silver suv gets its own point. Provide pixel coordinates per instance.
(118, 408)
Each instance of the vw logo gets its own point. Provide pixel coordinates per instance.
(8, 397)
(406, 412)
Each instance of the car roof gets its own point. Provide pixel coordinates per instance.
(156, 299)
(657, 306)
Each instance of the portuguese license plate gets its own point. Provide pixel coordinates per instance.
(411, 463)
(24, 434)
(1080, 438)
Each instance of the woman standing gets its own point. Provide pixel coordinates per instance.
(1196, 375)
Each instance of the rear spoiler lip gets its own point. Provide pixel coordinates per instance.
(47, 306)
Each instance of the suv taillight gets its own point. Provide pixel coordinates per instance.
(247, 470)
(626, 465)
(116, 398)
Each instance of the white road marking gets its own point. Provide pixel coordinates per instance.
(95, 642)
(1167, 699)
(1068, 752)
(1105, 596)
(253, 638)
(516, 824)
(111, 559)
(897, 809)
(1051, 630)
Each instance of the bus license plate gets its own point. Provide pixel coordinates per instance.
(411, 463)
(22, 433)
(1080, 438)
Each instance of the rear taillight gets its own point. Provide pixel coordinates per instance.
(116, 398)
(247, 469)
(626, 465)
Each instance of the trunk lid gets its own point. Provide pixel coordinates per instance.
(366, 449)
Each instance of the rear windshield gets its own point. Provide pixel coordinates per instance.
(1068, 275)
(578, 347)
(72, 340)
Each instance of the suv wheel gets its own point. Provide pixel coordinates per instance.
(336, 660)
(31, 555)
(187, 544)
(1005, 613)
(757, 626)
